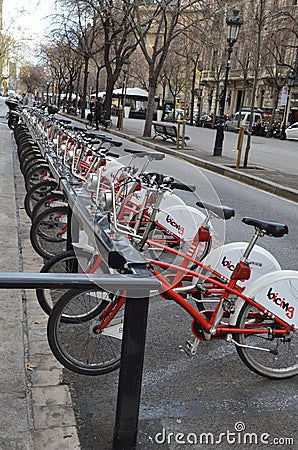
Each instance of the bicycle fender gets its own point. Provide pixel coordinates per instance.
(277, 292)
(224, 259)
(179, 219)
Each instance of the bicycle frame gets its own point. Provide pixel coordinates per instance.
(211, 327)
(219, 285)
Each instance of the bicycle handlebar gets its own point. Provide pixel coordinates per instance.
(183, 187)
(155, 178)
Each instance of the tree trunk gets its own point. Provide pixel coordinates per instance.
(86, 65)
(109, 95)
(150, 106)
(252, 110)
(97, 81)
(275, 103)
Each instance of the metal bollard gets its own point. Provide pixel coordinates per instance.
(239, 145)
(130, 376)
(183, 134)
(120, 119)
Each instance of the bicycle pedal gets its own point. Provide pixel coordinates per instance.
(191, 347)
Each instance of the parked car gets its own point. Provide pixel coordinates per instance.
(292, 131)
(206, 121)
(232, 123)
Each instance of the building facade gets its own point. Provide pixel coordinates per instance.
(263, 67)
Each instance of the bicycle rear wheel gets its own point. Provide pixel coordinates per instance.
(89, 125)
(279, 357)
(81, 346)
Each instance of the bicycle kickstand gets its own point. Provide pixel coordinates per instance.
(191, 347)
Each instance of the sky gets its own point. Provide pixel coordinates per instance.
(29, 15)
(26, 19)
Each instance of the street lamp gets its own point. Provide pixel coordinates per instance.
(234, 24)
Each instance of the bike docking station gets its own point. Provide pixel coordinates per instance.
(131, 273)
(91, 222)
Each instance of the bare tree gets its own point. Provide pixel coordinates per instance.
(33, 77)
(174, 70)
(272, 26)
(156, 25)
(80, 29)
(118, 41)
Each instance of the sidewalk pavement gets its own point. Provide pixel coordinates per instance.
(35, 406)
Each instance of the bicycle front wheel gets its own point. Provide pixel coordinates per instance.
(49, 201)
(48, 233)
(38, 191)
(85, 345)
(67, 262)
(267, 355)
(36, 174)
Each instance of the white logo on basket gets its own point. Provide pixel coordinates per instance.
(281, 302)
(175, 225)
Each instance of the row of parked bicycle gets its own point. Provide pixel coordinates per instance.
(96, 211)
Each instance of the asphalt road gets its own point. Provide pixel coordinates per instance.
(213, 392)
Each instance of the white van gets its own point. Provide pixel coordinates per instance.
(232, 123)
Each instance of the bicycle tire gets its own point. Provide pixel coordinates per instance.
(48, 233)
(26, 168)
(273, 364)
(36, 175)
(36, 192)
(46, 202)
(76, 345)
(28, 151)
(29, 158)
(12, 121)
(66, 262)
(108, 124)
(89, 125)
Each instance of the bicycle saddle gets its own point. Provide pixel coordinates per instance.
(154, 155)
(222, 211)
(274, 229)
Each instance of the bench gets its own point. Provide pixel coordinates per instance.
(167, 132)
